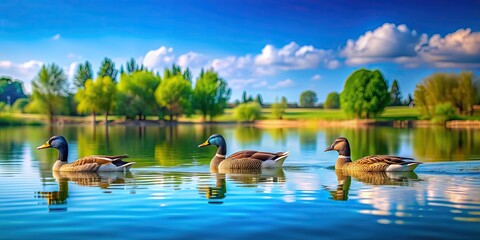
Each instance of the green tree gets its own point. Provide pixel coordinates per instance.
(278, 108)
(246, 98)
(259, 99)
(97, 97)
(10, 90)
(332, 101)
(107, 68)
(250, 111)
(308, 98)
(365, 93)
(49, 90)
(83, 73)
(136, 94)
(175, 94)
(395, 94)
(210, 94)
(460, 90)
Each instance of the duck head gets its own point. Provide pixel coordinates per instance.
(59, 143)
(340, 145)
(216, 140)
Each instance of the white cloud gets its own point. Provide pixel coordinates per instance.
(295, 57)
(23, 71)
(233, 66)
(159, 59)
(317, 77)
(283, 84)
(386, 43)
(56, 37)
(192, 60)
(458, 49)
(71, 70)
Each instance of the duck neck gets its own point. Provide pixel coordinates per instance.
(222, 148)
(63, 153)
(343, 157)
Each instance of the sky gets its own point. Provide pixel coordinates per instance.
(272, 48)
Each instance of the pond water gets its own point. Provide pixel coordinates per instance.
(170, 192)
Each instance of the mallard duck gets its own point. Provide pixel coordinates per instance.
(376, 163)
(246, 159)
(85, 164)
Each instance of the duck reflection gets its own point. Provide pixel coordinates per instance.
(57, 200)
(246, 178)
(344, 179)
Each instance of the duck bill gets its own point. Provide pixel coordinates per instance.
(206, 143)
(328, 149)
(45, 145)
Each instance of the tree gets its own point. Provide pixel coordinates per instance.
(83, 73)
(332, 101)
(210, 94)
(246, 98)
(136, 94)
(259, 99)
(250, 111)
(308, 98)
(132, 67)
(395, 94)
(107, 68)
(461, 90)
(175, 94)
(97, 97)
(365, 93)
(278, 108)
(10, 90)
(19, 105)
(49, 90)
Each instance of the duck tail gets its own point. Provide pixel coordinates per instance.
(281, 156)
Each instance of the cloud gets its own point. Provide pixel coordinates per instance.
(458, 49)
(71, 69)
(56, 37)
(316, 77)
(385, 44)
(23, 71)
(233, 66)
(295, 57)
(159, 59)
(192, 60)
(283, 84)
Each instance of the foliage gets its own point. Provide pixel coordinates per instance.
(250, 111)
(365, 93)
(84, 72)
(97, 97)
(49, 90)
(19, 105)
(10, 90)
(136, 94)
(332, 101)
(461, 90)
(107, 68)
(444, 112)
(259, 99)
(278, 108)
(308, 98)
(246, 98)
(210, 94)
(174, 93)
(395, 94)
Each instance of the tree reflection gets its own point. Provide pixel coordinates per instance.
(308, 139)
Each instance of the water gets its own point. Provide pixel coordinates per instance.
(170, 192)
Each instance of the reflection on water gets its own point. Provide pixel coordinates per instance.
(57, 199)
(170, 192)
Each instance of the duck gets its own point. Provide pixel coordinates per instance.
(246, 159)
(95, 163)
(375, 163)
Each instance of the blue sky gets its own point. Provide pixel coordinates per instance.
(276, 48)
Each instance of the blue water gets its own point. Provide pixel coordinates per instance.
(170, 193)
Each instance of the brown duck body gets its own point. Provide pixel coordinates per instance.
(85, 164)
(375, 163)
(246, 159)
(94, 164)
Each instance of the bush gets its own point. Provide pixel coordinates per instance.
(444, 112)
(19, 105)
(250, 111)
(278, 108)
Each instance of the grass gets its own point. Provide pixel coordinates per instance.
(399, 113)
(17, 120)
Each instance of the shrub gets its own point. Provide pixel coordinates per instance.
(250, 111)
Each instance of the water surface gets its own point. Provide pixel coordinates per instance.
(170, 192)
